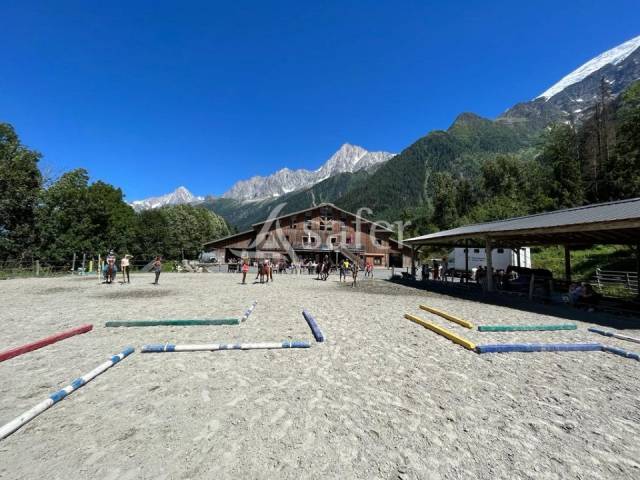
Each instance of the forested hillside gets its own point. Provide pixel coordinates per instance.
(480, 170)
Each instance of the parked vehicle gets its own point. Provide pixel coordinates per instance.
(501, 259)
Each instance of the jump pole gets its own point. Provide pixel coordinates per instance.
(29, 347)
(313, 325)
(539, 347)
(177, 323)
(212, 347)
(525, 328)
(448, 316)
(621, 352)
(248, 312)
(614, 335)
(442, 331)
(55, 397)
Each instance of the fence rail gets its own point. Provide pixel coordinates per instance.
(617, 279)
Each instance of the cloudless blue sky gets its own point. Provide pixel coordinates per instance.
(149, 95)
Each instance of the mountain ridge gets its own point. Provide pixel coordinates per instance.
(179, 196)
(347, 159)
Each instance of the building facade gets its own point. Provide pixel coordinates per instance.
(313, 235)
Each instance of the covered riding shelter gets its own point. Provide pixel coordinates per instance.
(613, 223)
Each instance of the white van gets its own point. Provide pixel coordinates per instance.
(501, 258)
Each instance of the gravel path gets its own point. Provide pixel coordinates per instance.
(381, 398)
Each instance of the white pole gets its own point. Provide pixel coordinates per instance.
(211, 347)
(54, 398)
(248, 312)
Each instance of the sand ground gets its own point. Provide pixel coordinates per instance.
(381, 398)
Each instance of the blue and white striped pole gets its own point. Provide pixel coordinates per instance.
(54, 398)
(614, 335)
(212, 347)
(313, 325)
(248, 312)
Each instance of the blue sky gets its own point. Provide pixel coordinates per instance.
(149, 95)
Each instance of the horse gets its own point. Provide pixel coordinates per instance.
(109, 271)
(354, 273)
(263, 270)
(324, 271)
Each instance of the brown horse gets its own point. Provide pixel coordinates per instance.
(354, 273)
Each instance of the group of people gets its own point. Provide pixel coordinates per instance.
(583, 295)
(437, 270)
(322, 269)
(110, 268)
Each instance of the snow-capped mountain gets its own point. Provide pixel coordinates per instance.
(348, 158)
(179, 196)
(578, 92)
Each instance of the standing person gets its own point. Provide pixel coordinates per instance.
(111, 267)
(436, 270)
(270, 267)
(124, 265)
(245, 270)
(157, 268)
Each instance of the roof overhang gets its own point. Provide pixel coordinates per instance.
(589, 225)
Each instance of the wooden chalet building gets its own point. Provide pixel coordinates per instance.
(312, 234)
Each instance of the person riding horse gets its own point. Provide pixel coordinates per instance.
(110, 267)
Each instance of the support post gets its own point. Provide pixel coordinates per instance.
(518, 257)
(37, 268)
(73, 263)
(489, 256)
(466, 261)
(413, 261)
(532, 284)
(84, 259)
(567, 263)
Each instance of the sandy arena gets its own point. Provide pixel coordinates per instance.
(381, 398)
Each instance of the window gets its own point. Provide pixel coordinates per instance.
(313, 239)
(377, 261)
(308, 224)
(333, 240)
(286, 237)
(501, 250)
(476, 250)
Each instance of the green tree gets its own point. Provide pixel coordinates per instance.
(560, 156)
(624, 173)
(445, 195)
(20, 184)
(75, 217)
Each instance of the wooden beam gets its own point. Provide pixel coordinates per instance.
(567, 263)
(489, 256)
(466, 261)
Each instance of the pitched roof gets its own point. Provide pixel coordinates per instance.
(325, 204)
(228, 237)
(611, 222)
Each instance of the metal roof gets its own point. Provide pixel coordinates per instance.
(612, 222)
(228, 237)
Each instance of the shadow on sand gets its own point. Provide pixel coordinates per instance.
(475, 294)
